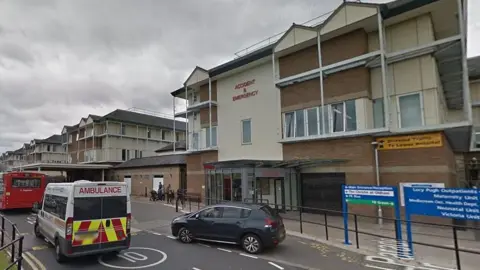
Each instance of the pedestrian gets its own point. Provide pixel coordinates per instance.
(167, 193)
(180, 196)
(160, 191)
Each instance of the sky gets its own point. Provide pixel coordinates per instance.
(61, 60)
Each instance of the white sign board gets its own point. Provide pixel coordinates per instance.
(428, 185)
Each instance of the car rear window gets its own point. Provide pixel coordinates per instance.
(268, 211)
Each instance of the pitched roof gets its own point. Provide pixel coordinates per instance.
(94, 117)
(144, 119)
(180, 145)
(153, 161)
(57, 139)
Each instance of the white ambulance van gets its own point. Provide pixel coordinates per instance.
(84, 217)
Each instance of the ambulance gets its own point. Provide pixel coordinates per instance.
(84, 218)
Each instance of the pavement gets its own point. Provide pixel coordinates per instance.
(154, 248)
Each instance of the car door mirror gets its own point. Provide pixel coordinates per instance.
(196, 216)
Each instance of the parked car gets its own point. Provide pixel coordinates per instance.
(252, 226)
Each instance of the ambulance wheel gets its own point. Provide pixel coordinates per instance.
(36, 230)
(58, 252)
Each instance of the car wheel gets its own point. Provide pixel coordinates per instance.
(185, 236)
(58, 252)
(37, 232)
(252, 244)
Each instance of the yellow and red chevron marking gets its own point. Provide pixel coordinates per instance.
(88, 232)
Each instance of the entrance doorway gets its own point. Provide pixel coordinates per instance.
(322, 191)
(279, 194)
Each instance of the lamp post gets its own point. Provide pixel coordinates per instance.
(377, 178)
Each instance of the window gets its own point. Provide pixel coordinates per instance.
(312, 121)
(87, 208)
(54, 148)
(70, 138)
(149, 133)
(289, 124)
(299, 123)
(214, 137)
(122, 129)
(214, 212)
(141, 154)
(124, 154)
(26, 183)
(136, 153)
(114, 206)
(48, 148)
(195, 140)
(92, 132)
(55, 205)
(340, 117)
(232, 212)
(194, 97)
(178, 136)
(378, 113)
(410, 110)
(265, 186)
(164, 134)
(246, 131)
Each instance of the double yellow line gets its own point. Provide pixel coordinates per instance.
(34, 263)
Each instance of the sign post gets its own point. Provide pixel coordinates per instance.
(456, 203)
(370, 195)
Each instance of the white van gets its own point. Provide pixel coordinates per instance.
(84, 217)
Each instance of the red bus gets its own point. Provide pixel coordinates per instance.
(21, 189)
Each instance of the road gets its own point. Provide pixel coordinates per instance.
(154, 248)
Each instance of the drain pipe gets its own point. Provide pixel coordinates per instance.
(377, 176)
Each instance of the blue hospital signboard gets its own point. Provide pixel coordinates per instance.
(370, 195)
(457, 203)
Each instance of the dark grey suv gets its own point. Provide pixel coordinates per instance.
(253, 226)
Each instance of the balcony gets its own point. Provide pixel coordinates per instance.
(200, 140)
(196, 107)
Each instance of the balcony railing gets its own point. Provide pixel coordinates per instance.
(200, 140)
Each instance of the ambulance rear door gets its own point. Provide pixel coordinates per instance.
(100, 216)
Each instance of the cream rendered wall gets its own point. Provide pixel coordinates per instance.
(263, 110)
(405, 35)
(348, 14)
(295, 36)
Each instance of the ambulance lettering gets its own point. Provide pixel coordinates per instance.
(100, 190)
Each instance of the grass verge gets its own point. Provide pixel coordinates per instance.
(5, 261)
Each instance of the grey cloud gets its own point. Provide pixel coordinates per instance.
(16, 52)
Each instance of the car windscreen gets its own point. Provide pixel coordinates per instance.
(88, 208)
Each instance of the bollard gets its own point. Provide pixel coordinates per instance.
(457, 252)
(301, 225)
(190, 204)
(176, 205)
(356, 231)
(20, 253)
(326, 224)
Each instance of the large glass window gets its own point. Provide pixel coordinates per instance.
(339, 117)
(378, 113)
(410, 111)
(246, 131)
(213, 143)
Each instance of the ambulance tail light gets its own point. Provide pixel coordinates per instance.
(69, 229)
(129, 222)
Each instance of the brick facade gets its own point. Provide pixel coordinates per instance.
(195, 171)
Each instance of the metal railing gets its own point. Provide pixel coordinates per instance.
(327, 216)
(15, 258)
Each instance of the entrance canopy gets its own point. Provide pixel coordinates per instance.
(293, 164)
(62, 167)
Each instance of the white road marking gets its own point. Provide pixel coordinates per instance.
(31, 222)
(171, 237)
(222, 249)
(156, 233)
(276, 265)
(200, 244)
(195, 268)
(250, 256)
